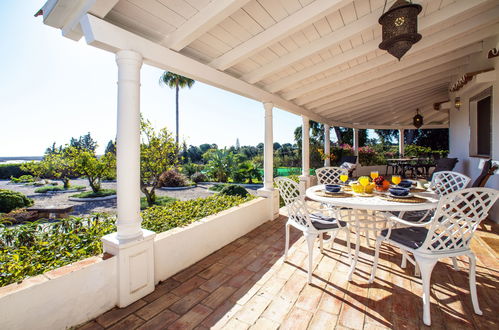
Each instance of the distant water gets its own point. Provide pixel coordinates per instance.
(13, 160)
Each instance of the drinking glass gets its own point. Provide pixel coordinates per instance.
(396, 179)
(374, 174)
(364, 181)
(344, 178)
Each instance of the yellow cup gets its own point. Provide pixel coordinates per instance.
(357, 188)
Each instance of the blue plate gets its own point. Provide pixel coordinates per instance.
(333, 188)
(399, 191)
(405, 184)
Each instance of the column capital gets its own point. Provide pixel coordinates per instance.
(268, 106)
(128, 55)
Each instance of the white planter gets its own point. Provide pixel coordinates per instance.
(177, 188)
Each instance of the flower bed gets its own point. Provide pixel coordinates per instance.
(35, 248)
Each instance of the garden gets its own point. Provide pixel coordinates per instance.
(31, 246)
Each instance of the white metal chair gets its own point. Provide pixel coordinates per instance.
(445, 182)
(330, 175)
(449, 234)
(362, 221)
(312, 222)
(442, 183)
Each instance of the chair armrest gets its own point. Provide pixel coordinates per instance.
(394, 218)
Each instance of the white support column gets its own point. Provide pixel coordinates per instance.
(356, 143)
(327, 144)
(268, 190)
(305, 154)
(132, 245)
(401, 142)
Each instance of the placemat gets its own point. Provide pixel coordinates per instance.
(413, 199)
(334, 195)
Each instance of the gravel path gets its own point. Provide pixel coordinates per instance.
(80, 208)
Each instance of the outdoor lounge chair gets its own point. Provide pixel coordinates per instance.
(312, 222)
(449, 234)
(488, 169)
(345, 162)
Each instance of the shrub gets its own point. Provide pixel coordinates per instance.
(22, 179)
(160, 200)
(11, 170)
(181, 213)
(34, 248)
(172, 178)
(48, 188)
(198, 177)
(234, 190)
(91, 194)
(18, 216)
(218, 187)
(10, 200)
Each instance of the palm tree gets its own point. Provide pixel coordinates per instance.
(176, 81)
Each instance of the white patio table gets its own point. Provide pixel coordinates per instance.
(374, 203)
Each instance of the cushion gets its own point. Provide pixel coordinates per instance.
(348, 166)
(412, 237)
(321, 222)
(445, 164)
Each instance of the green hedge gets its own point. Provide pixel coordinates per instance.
(11, 170)
(34, 248)
(181, 213)
(11, 200)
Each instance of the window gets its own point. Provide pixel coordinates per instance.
(481, 124)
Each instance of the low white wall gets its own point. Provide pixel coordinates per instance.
(58, 300)
(179, 248)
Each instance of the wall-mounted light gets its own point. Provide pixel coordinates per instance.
(457, 103)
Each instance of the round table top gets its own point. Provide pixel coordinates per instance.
(374, 203)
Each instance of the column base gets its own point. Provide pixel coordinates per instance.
(304, 183)
(273, 194)
(135, 273)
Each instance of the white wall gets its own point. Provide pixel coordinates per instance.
(459, 121)
(179, 248)
(53, 301)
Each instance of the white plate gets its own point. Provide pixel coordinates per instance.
(395, 196)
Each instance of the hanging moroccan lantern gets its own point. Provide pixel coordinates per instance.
(400, 27)
(417, 120)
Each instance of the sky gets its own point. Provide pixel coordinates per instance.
(53, 88)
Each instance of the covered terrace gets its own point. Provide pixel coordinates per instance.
(319, 60)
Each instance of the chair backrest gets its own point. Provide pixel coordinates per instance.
(295, 203)
(488, 169)
(445, 164)
(330, 175)
(348, 159)
(446, 182)
(457, 216)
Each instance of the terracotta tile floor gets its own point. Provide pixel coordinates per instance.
(246, 285)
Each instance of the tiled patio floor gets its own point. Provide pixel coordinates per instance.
(247, 285)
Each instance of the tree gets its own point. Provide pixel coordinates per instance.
(85, 163)
(111, 147)
(158, 154)
(84, 142)
(220, 163)
(176, 81)
(60, 166)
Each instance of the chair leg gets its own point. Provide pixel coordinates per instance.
(310, 238)
(321, 242)
(368, 241)
(403, 264)
(286, 247)
(349, 247)
(379, 240)
(333, 237)
(474, 297)
(353, 264)
(454, 264)
(426, 266)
